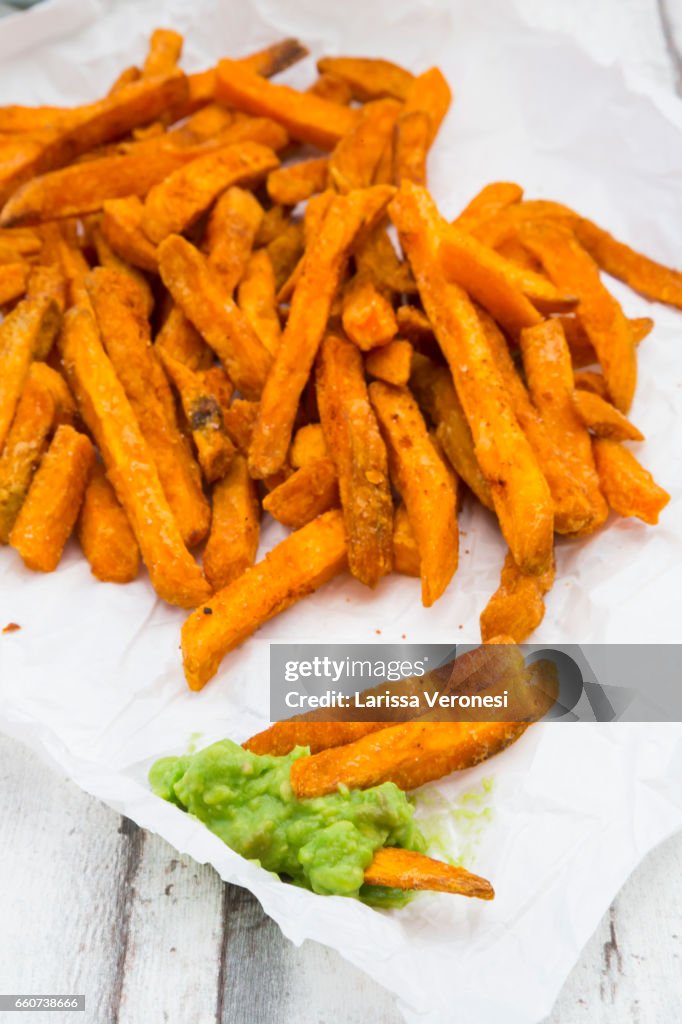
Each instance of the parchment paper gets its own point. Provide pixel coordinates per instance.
(93, 680)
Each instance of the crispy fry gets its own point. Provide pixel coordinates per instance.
(286, 250)
(519, 490)
(573, 498)
(569, 266)
(13, 281)
(405, 551)
(628, 487)
(206, 123)
(409, 755)
(652, 280)
(582, 352)
(368, 78)
(97, 123)
(590, 380)
(354, 160)
(127, 77)
(508, 221)
(414, 324)
(404, 869)
(230, 234)
(239, 422)
(20, 242)
(430, 93)
(411, 146)
(235, 526)
(308, 445)
(376, 259)
(176, 203)
(296, 567)
(110, 259)
(282, 737)
(517, 607)
(435, 392)
(215, 450)
(306, 494)
(21, 120)
(26, 442)
(219, 385)
(356, 447)
(277, 57)
(25, 332)
(129, 462)
(603, 419)
(125, 335)
(425, 484)
(47, 282)
(306, 117)
(84, 187)
(121, 225)
(52, 381)
(257, 300)
(331, 87)
(324, 262)
(298, 182)
(487, 203)
(392, 363)
(165, 50)
(49, 513)
(367, 315)
(180, 339)
(197, 288)
(105, 534)
(547, 363)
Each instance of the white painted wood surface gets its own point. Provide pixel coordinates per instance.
(92, 904)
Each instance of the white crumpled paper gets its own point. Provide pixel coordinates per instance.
(93, 679)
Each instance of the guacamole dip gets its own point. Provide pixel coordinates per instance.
(324, 843)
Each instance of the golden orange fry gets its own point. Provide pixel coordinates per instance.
(391, 363)
(257, 299)
(404, 869)
(367, 315)
(603, 419)
(235, 526)
(517, 607)
(308, 445)
(411, 146)
(405, 551)
(230, 233)
(122, 227)
(282, 737)
(355, 158)
(368, 78)
(105, 534)
(25, 445)
(165, 49)
(306, 494)
(180, 339)
(488, 202)
(330, 87)
(297, 182)
(629, 488)
(13, 281)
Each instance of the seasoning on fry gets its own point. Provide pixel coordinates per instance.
(235, 526)
(105, 534)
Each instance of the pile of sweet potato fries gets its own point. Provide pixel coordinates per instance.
(182, 347)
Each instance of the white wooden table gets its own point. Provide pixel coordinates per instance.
(90, 903)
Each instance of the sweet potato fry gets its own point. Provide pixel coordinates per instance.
(411, 147)
(282, 737)
(508, 221)
(20, 242)
(435, 392)
(405, 551)
(110, 259)
(165, 50)
(127, 77)
(430, 93)
(547, 364)
(47, 282)
(180, 339)
(206, 123)
(652, 280)
(368, 78)
(517, 607)
(49, 513)
(25, 445)
(125, 334)
(285, 251)
(487, 203)
(324, 263)
(308, 445)
(409, 755)
(215, 450)
(367, 315)
(574, 503)
(519, 491)
(230, 234)
(105, 534)
(404, 869)
(13, 281)
(239, 422)
(377, 260)
(296, 567)
(629, 488)
(98, 123)
(354, 160)
(16, 119)
(176, 203)
(414, 324)
(26, 331)
(330, 87)
(129, 462)
(121, 225)
(51, 380)
(582, 352)
(603, 419)
(197, 288)
(257, 299)
(425, 484)
(84, 187)
(592, 381)
(306, 117)
(391, 363)
(298, 182)
(306, 494)
(235, 526)
(569, 266)
(357, 450)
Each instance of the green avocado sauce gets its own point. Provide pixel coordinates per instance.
(324, 844)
